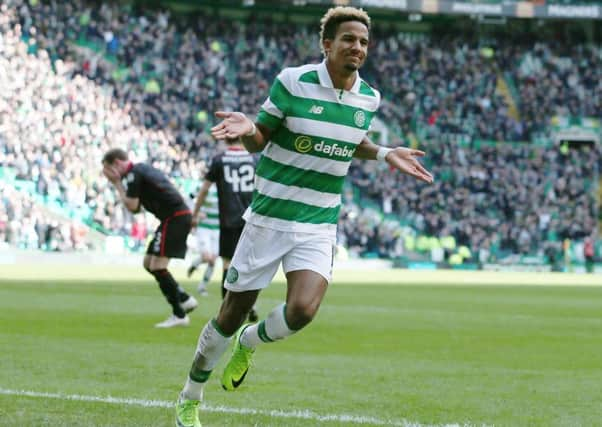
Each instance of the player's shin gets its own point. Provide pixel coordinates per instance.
(273, 328)
(211, 346)
(171, 290)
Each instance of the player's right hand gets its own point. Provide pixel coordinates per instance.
(233, 125)
(196, 219)
(111, 173)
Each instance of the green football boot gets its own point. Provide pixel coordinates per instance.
(187, 413)
(238, 366)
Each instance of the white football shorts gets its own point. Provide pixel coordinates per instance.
(206, 240)
(260, 251)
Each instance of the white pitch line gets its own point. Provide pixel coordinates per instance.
(302, 414)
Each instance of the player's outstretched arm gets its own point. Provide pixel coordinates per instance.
(401, 158)
(236, 125)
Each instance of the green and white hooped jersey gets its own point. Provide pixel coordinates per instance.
(211, 209)
(315, 131)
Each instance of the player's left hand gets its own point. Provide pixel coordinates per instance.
(404, 160)
(111, 173)
(233, 125)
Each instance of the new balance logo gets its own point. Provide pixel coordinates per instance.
(316, 109)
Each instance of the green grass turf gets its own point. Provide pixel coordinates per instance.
(494, 355)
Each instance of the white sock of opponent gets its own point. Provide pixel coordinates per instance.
(273, 328)
(212, 344)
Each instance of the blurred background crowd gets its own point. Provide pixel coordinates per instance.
(80, 77)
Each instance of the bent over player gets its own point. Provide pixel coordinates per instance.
(141, 185)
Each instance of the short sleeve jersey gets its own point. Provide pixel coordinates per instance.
(315, 131)
(156, 193)
(233, 171)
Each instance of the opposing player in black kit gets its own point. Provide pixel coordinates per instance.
(233, 171)
(141, 185)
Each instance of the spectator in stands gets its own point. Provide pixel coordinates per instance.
(588, 253)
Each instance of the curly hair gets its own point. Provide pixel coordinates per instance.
(335, 16)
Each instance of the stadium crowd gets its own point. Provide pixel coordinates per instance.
(25, 225)
(91, 76)
(506, 198)
(448, 83)
(57, 124)
(563, 79)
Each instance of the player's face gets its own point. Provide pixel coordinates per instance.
(349, 48)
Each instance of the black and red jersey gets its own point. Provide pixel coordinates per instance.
(156, 193)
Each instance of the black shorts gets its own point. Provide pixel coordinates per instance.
(170, 236)
(228, 239)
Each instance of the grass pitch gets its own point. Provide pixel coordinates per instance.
(379, 353)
